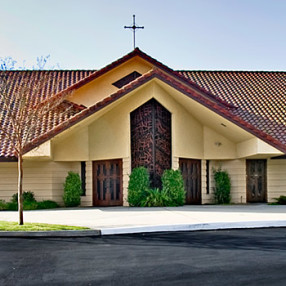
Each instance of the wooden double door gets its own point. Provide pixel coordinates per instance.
(107, 183)
(256, 181)
(191, 172)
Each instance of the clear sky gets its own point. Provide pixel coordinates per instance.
(183, 34)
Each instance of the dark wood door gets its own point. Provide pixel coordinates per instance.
(191, 172)
(107, 183)
(256, 181)
(151, 139)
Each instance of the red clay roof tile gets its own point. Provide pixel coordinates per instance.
(254, 101)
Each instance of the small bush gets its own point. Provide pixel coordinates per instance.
(139, 184)
(173, 188)
(11, 206)
(72, 190)
(27, 197)
(3, 205)
(155, 198)
(28, 205)
(222, 186)
(281, 200)
(47, 205)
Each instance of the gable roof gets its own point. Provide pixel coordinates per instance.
(63, 79)
(254, 101)
(260, 97)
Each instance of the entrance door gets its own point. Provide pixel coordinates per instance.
(256, 181)
(107, 183)
(151, 139)
(191, 172)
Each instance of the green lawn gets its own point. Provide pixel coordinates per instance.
(14, 226)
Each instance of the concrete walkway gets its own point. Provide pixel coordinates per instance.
(116, 220)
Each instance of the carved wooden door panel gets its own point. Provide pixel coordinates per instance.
(191, 172)
(256, 181)
(107, 183)
(151, 139)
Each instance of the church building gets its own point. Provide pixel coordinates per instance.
(137, 111)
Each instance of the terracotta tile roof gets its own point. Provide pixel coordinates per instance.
(219, 107)
(52, 119)
(260, 97)
(253, 100)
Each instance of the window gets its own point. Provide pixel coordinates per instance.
(83, 179)
(125, 80)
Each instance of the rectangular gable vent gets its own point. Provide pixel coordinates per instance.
(125, 80)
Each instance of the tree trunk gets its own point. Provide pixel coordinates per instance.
(20, 189)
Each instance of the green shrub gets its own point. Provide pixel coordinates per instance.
(28, 205)
(139, 184)
(222, 186)
(281, 200)
(47, 205)
(155, 198)
(173, 188)
(12, 206)
(27, 197)
(3, 205)
(72, 190)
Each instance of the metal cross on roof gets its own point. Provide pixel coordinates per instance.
(134, 27)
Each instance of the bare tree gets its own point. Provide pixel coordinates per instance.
(7, 63)
(23, 109)
(42, 63)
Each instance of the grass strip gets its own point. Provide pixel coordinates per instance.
(14, 226)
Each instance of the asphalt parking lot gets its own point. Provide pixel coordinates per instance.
(225, 257)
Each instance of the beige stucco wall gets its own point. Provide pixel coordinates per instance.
(276, 179)
(101, 87)
(217, 146)
(72, 146)
(255, 148)
(45, 179)
(108, 137)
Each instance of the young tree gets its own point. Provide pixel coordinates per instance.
(8, 63)
(23, 109)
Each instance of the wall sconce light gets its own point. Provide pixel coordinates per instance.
(218, 144)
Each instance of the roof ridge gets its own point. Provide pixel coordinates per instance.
(51, 70)
(231, 71)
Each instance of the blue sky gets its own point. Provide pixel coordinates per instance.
(183, 34)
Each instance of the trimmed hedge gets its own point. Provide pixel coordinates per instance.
(173, 187)
(222, 186)
(155, 198)
(139, 184)
(27, 197)
(29, 203)
(72, 190)
(140, 194)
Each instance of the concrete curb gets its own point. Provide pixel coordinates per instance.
(62, 233)
(192, 227)
(145, 229)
